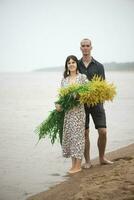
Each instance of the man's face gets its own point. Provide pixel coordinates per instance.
(86, 47)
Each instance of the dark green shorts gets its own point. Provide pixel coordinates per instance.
(98, 115)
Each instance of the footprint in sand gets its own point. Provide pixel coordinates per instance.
(127, 158)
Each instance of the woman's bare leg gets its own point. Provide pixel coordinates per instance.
(77, 166)
(73, 163)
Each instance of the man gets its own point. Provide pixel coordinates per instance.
(90, 67)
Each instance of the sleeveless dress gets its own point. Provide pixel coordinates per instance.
(73, 142)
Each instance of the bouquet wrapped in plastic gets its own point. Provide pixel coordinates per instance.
(91, 93)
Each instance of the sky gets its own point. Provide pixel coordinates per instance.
(36, 34)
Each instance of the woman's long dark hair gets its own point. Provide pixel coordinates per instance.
(66, 72)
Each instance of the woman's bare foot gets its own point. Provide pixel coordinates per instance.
(71, 169)
(74, 170)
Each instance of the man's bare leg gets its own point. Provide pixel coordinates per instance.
(102, 146)
(87, 163)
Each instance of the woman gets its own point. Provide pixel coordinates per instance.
(73, 142)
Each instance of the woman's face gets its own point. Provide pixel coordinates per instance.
(72, 65)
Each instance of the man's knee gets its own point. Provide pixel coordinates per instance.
(102, 131)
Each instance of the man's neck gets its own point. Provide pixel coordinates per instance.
(86, 59)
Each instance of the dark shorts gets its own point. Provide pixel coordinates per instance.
(98, 115)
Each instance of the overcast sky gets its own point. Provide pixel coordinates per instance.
(42, 33)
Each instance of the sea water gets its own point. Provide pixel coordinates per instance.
(26, 99)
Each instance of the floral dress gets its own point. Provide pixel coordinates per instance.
(73, 142)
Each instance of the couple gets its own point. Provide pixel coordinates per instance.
(75, 141)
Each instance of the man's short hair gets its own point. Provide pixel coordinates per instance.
(85, 39)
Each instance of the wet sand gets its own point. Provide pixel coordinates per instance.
(101, 182)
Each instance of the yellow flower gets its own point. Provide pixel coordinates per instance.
(95, 91)
(69, 89)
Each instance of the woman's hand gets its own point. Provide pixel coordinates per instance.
(76, 96)
(58, 107)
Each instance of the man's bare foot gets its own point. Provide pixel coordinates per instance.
(106, 162)
(86, 165)
(74, 171)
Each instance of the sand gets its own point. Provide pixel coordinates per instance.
(101, 182)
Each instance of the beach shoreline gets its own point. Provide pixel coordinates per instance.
(101, 182)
